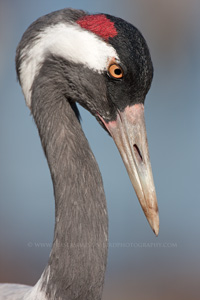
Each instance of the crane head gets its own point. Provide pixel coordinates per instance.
(102, 62)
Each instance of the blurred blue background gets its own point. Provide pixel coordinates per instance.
(140, 266)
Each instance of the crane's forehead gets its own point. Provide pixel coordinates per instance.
(99, 24)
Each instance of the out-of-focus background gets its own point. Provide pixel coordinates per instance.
(140, 266)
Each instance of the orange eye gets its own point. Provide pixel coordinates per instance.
(115, 71)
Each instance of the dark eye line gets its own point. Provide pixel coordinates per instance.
(113, 78)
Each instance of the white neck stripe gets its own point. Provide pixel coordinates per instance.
(68, 41)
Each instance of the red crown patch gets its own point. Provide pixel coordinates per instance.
(100, 25)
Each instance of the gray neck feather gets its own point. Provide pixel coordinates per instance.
(78, 257)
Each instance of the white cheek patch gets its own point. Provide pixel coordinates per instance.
(68, 41)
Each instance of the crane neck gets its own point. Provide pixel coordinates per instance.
(77, 261)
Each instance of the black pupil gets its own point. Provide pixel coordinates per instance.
(118, 72)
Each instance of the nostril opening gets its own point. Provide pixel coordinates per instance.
(137, 153)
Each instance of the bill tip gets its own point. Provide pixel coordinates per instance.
(154, 223)
(156, 231)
